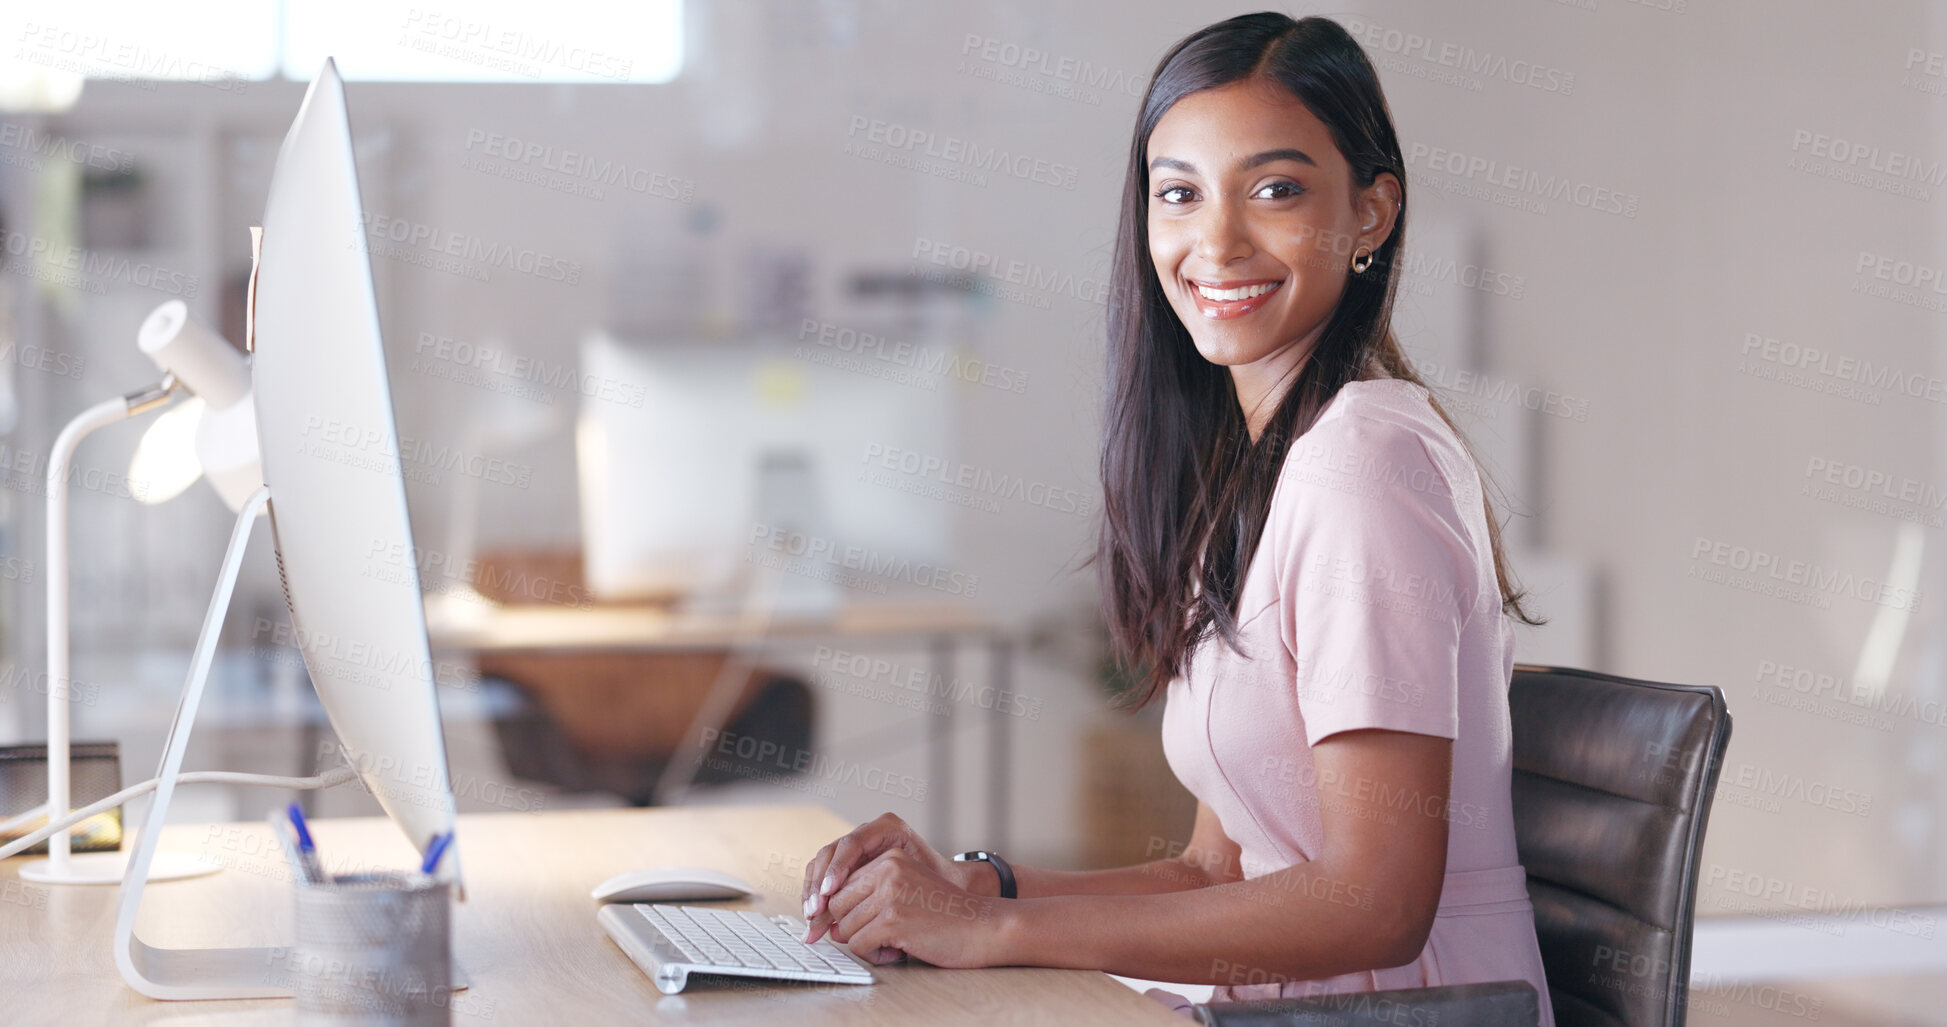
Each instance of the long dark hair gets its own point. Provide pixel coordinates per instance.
(1186, 490)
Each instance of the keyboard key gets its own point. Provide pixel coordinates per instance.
(675, 939)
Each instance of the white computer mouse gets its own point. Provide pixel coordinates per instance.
(671, 884)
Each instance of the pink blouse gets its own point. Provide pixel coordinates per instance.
(1371, 602)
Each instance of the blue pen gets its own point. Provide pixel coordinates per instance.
(306, 849)
(280, 826)
(435, 851)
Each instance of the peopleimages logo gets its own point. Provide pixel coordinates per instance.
(1730, 882)
(923, 359)
(844, 563)
(1814, 692)
(975, 481)
(1765, 570)
(97, 266)
(347, 656)
(869, 670)
(1411, 46)
(1901, 272)
(1770, 787)
(1836, 373)
(1851, 153)
(86, 53)
(790, 761)
(27, 140)
(954, 150)
(442, 242)
(380, 451)
(1875, 482)
(1029, 276)
(47, 361)
(1467, 275)
(523, 368)
(1523, 182)
(576, 167)
(511, 48)
(1034, 60)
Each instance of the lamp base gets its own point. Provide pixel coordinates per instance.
(111, 867)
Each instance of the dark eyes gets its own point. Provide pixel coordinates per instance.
(1180, 194)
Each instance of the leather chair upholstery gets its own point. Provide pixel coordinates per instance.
(1612, 786)
(1613, 780)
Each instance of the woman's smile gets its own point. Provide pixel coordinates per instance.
(1225, 300)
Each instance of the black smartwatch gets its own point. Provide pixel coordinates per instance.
(1000, 867)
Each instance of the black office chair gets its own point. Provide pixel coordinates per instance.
(1612, 786)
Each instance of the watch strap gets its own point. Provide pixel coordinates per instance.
(1000, 866)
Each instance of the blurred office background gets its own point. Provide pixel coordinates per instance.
(670, 290)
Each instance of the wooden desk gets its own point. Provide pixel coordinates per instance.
(526, 935)
(541, 627)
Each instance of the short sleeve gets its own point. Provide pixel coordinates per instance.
(1376, 578)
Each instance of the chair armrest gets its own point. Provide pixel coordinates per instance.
(1500, 1004)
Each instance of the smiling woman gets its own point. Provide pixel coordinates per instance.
(1261, 227)
(1297, 552)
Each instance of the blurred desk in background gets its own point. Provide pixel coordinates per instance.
(486, 631)
(548, 627)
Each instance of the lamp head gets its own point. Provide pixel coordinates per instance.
(201, 359)
(213, 435)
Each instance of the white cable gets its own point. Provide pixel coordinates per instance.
(15, 823)
(328, 779)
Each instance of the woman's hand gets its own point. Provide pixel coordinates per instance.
(900, 905)
(835, 864)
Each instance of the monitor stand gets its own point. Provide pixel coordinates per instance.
(211, 973)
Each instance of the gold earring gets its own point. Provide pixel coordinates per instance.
(1361, 260)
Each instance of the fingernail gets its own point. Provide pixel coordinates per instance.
(828, 885)
(811, 907)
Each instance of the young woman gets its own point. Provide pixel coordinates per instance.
(1297, 556)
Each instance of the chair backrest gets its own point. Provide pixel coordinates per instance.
(1612, 786)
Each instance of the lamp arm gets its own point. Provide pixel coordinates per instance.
(59, 692)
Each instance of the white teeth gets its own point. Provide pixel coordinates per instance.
(1244, 293)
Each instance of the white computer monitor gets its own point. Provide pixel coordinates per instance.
(334, 488)
(331, 458)
(672, 457)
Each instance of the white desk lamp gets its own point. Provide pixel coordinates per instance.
(223, 421)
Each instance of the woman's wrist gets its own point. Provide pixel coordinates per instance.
(1013, 934)
(1051, 932)
(978, 877)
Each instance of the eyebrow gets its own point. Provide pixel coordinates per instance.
(1255, 160)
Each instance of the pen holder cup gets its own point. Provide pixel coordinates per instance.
(374, 949)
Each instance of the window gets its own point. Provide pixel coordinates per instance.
(218, 41)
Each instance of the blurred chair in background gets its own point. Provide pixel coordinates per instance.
(612, 721)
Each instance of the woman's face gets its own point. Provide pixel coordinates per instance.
(1253, 223)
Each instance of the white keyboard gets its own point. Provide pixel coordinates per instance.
(671, 942)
